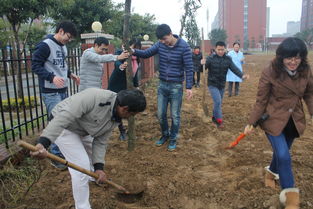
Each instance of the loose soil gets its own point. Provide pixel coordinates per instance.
(201, 173)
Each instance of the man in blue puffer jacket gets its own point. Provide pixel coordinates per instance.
(175, 63)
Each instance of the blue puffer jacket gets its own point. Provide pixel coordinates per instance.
(175, 62)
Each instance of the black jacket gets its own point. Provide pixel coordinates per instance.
(218, 67)
(118, 81)
(196, 59)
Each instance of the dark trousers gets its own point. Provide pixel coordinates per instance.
(122, 128)
(230, 88)
(198, 77)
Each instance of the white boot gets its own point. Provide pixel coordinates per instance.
(290, 198)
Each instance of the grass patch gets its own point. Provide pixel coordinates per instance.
(17, 181)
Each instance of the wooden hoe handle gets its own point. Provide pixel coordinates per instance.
(71, 165)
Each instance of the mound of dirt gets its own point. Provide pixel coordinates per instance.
(201, 173)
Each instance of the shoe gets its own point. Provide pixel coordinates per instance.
(270, 178)
(220, 126)
(161, 141)
(214, 120)
(218, 122)
(58, 165)
(123, 136)
(290, 198)
(172, 145)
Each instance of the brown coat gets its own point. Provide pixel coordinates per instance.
(282, 99)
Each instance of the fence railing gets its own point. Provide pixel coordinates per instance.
(22, 108)
(21, 105)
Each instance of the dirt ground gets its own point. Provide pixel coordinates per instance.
(201, 173)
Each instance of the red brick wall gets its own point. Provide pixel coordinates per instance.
(231, 15)
(256, 21)
(233, 18)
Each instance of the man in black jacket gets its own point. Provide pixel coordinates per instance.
(218, 65)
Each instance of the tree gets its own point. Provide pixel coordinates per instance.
(129, 73)
(189, 24)
(217, 35)
(83, 13)
(306, 36)
(190, 8)
(192, 32)
(35, 34)
(4, 34)
(139, 25)
(18, 12)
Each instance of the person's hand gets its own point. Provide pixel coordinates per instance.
(58, 81)
(189, 94)
(203, 62)
(123, 55)
(101, 176)
(75, 78)
(245, 76)
(248, 129)
(123, 66)
(41, 152)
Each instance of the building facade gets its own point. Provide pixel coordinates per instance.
(245, 21)
(293, 27)
(307, 15)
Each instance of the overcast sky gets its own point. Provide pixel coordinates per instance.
(170, 11)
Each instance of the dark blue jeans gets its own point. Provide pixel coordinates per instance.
(51, 100)
(169, 93)
(281, 160)
(217, 96)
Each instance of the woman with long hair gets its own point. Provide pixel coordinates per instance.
(282, 87)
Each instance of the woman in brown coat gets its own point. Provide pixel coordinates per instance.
(281, 89)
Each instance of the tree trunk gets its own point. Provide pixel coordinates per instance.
(183, 19)
(27, 34)
(17, 62)
(129, 73)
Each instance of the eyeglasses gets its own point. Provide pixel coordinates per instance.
(293, 59)
(69, 36)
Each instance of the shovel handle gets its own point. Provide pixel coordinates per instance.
(71, 165)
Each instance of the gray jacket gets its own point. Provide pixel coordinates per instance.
(89, 112)
(91, 68)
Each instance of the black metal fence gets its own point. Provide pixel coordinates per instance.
(21, 105)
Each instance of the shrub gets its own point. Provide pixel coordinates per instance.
(20, 103)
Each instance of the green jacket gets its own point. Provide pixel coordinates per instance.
(89, 112)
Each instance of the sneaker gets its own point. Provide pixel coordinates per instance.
(123, 136)
(172, 145)
(161, 141)
(220, 126)
(218, 122)
(214, 121)
(58, 165)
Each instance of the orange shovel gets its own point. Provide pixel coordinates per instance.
(242, 135)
